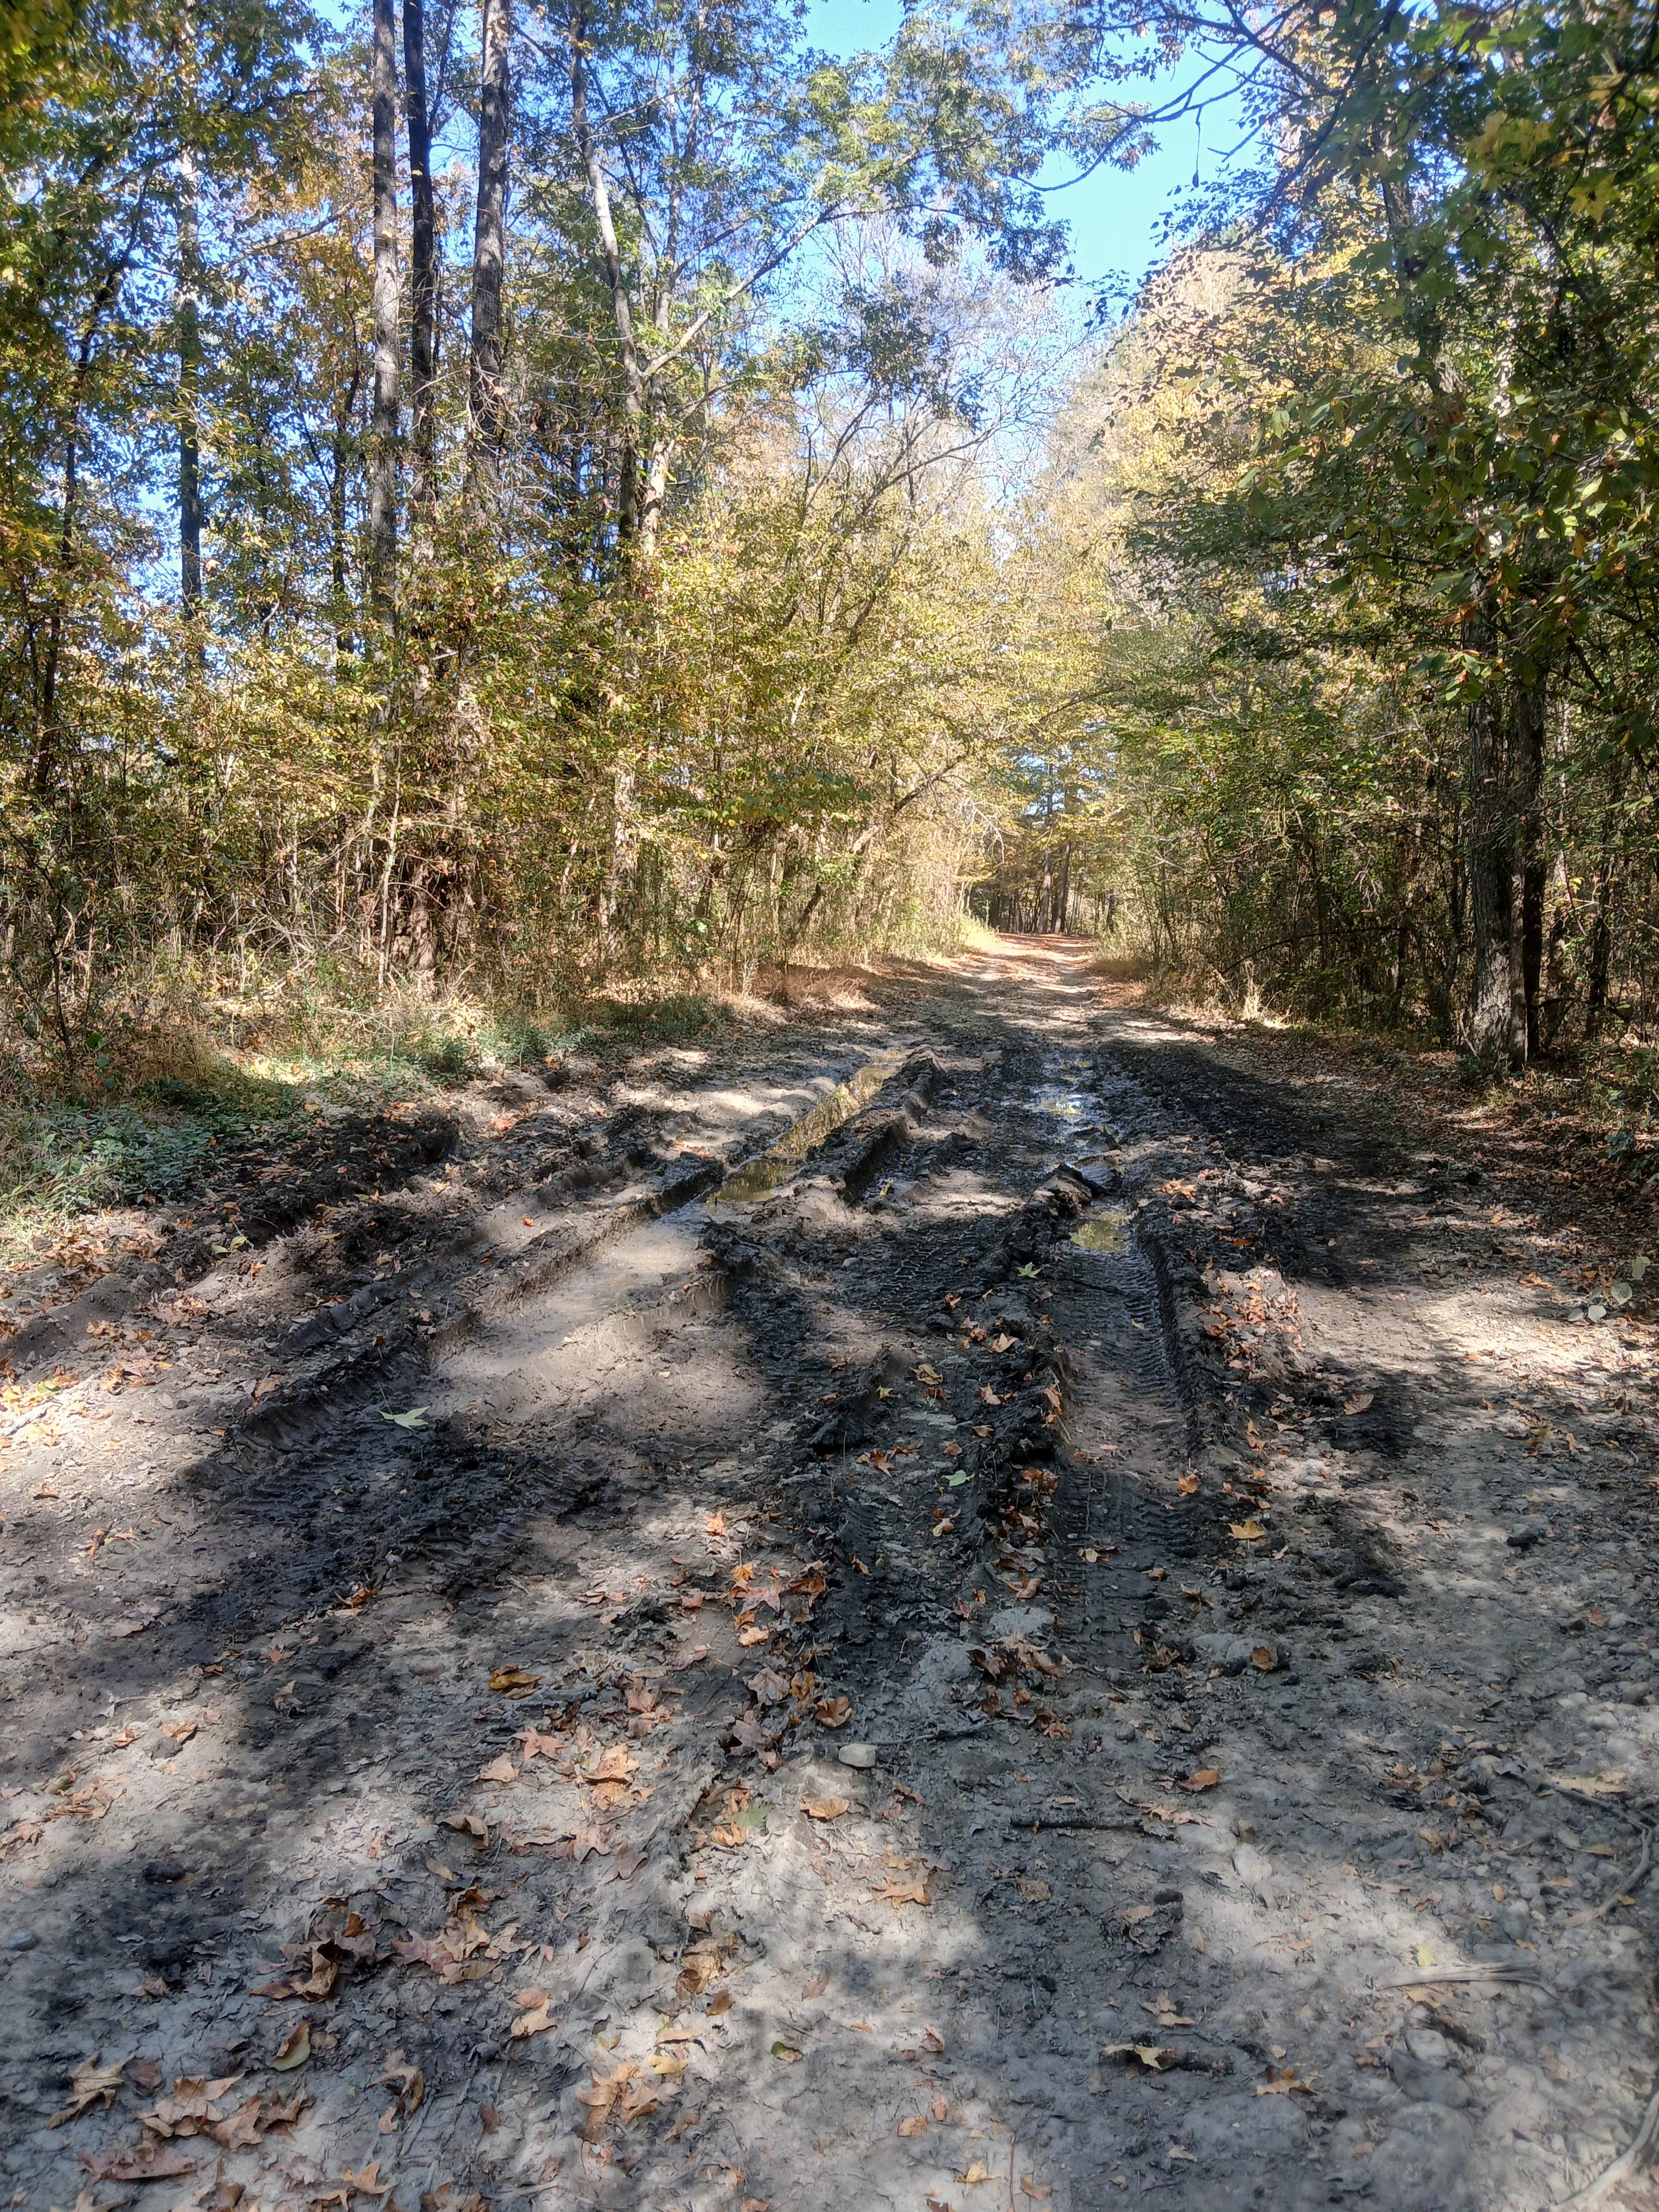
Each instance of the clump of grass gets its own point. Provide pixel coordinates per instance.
(649, 1021)
(62, 1159)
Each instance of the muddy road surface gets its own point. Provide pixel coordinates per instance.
(981, 1604)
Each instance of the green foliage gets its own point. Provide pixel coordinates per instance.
(1373, 466)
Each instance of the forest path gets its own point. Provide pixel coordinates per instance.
(431, 1671)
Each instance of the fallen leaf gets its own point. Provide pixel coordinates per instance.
(1034, 1892)
(533, 2021)
(817, 1986)
(751, 1636)
(786, 2051)
(414, 1418)
(1158, 2057)
(368, 2182)
(1282, 2081)
(898, 1893)
(1202, 1778)
(241, 2130)
(977, 2173)
(499, 1770)
(940, 2110)
(408, 2081)
(913, 2123)
(514, 1681)
(825, 1809)
(1362, 1404)
(190, 2109)
(149, 2162)
(295, 2048)
(1187, 1484)
(1425, 1955)
(90, 2084)
(1248, 1532)
(1612, 1784)
(833, 1713)
(614, 1765)
(1265, 1658)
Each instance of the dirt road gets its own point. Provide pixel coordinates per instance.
(1079, 1635)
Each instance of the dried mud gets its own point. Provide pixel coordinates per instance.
(1081, 1636)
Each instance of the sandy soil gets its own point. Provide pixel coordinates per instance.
(1081, 1637)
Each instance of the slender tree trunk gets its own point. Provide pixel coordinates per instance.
(189, 390)
(383, 421)
(1489, 847)
(339, 464)
(486, 416)
(599, 191)
(424, 269)
(1527, 869)
(1609, 870)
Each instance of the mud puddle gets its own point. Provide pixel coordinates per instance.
(760, 1177)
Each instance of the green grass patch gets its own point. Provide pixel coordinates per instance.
(66, 1160)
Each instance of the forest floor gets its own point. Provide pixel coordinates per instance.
(1082, 1636)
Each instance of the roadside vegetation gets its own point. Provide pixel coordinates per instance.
(519, 525)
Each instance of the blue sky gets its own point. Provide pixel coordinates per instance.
(1117, 216)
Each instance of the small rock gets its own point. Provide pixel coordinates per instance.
(1428, 2046)
(1232, 1653)
(20, 1939)
(1250, 1864)
(857, 1754)
(1526, 1533)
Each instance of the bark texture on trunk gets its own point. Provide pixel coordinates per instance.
(423, 268)
(486, 412)
(383, 421)
(190, 388)
(1527, 741)
(1490, 849)
(598, 193)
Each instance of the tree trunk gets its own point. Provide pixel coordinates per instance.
(598, 193)
(190, 384)
(486, 414)
(339, 464)
(1490, 849)
(423, 271)
(383, 421)
(1526, 917)
(1609, 870)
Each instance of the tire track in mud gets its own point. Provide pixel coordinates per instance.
(939, 1445)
